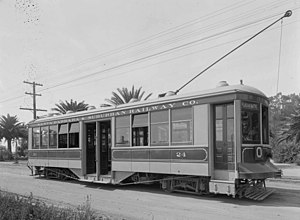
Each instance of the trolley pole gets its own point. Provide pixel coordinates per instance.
(34, 95)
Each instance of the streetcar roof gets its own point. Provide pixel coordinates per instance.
(228, 89)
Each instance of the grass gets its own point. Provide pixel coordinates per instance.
(17, 207)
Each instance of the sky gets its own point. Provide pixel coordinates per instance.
(84, 50)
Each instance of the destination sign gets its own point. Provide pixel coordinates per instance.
(250, 105)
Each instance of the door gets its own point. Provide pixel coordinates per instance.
(91, 148)
(224, 156)
(105, 147)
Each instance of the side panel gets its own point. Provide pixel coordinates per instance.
(56, 158)
(185, 160)
(201, 125)
(140, 160)
(121, 159)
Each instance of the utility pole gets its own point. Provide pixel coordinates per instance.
(34, 94)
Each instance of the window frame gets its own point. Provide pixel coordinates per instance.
(73, 136)
(140, 130)
(124, 127)
(51, 135)
(44, 137)
(251, 111)
(34, 136)
(189, 128)
(158, 123)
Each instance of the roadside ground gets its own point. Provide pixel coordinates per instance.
(289, 171)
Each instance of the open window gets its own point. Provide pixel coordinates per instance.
(63, 136)
(74, 135)
(140, 130)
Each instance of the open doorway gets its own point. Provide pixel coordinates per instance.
(105, 147)
(91, 148)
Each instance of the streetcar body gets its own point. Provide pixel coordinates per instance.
(214, 141)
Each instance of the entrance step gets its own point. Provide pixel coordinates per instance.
(222, 187)
(105, 179)
(91, 177)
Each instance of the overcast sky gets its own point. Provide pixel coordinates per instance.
(84, 50)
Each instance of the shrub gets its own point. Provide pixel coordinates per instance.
(16, 207)
(5, 154)
(286, 153)
(297, 161)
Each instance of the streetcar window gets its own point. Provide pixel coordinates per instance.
(160, 128)
(250, 123)
(44, 137)
(140, 130)
(265, 125)
(63, 136)
(122, 131)
(36, 138)
(182, 126)
(53, 136)
(74, 135)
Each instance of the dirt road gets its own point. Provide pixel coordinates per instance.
(149, 202)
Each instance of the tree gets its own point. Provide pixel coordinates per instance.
(11, 128)
(74, 106)
(125, 96)
(285, 126)
(292, 132)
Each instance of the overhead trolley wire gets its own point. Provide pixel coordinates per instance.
(279, 57)
(287, 14)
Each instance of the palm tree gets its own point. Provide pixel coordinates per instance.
(73, 106)
(125, 95)
(11, 128)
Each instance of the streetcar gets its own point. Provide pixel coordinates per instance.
(213, 141)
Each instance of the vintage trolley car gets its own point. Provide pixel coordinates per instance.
(214, 141)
